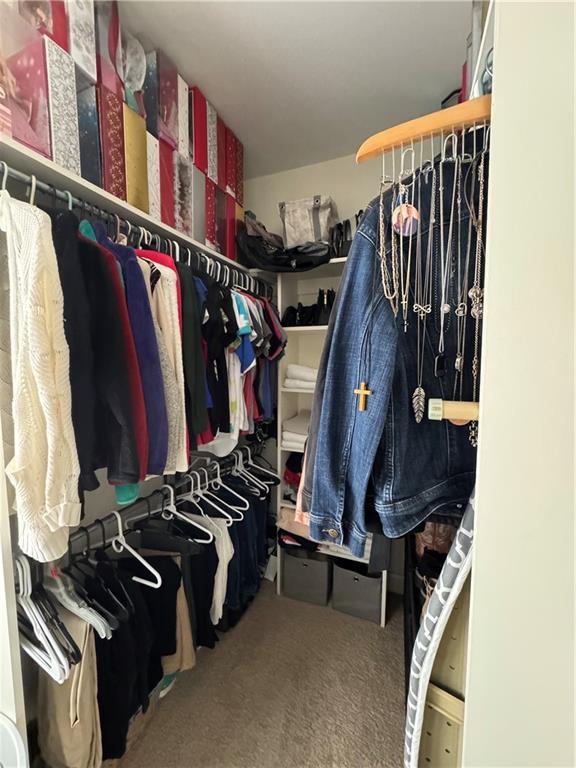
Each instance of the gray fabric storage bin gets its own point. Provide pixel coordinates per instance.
(357, 594)
(306, 576)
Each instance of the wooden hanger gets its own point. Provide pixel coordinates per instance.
(460, 116)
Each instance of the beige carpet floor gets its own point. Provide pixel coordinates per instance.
(292, 686)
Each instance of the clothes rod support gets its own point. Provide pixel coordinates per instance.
(453, 410)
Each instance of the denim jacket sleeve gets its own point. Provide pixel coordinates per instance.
(360, 347)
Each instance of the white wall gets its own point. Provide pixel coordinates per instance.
(520, 690)
(351, 187)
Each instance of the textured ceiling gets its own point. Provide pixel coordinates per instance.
(302, 82)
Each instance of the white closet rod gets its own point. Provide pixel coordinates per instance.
(104, 530)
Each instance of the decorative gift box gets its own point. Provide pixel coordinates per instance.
(109, 48)
(48, 17)
(230, 249)
(161, 97)
(199, 129)
(5, 111)
(25, 78)
(82, 39)
(167, 203)
(212, 128)
(90, 159)
(210, 214)
(136, 159)
(183, 118)
(240, 172)
(198, 205)
(221, 141)
(111, 141)
(63, 107)
(230, 162)
(183, 193)
(134, 69)
(221, 230)
(153, 165)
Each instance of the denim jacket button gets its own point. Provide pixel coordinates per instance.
(332, 532)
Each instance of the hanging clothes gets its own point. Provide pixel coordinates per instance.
(44, 468)
(152, 276)
(349, 447)
(194, 370)
(120, 416)
(146, 349)
(77, 330)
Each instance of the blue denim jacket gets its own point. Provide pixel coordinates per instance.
(408, 470)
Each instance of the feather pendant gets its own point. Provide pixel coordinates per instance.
(418, 403)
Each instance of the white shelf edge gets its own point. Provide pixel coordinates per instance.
(26, 160)
(291, 450)
(297, 391)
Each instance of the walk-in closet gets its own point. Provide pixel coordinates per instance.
(287, 384)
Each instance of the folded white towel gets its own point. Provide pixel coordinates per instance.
(306, 386)
(298, 423)
(302, 372)
(293, 437)
(296, 447)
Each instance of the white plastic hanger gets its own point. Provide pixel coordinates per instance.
(219, 503)
(244, 472)
(219, 483)
(48, 654)
(252, 463)
(63, 591)
(119, 544)
(169, 511)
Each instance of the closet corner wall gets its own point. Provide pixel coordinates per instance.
(520, 683)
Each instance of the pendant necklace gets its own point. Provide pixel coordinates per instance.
(389, 272)
(445, 261)
(405, 220)
(423, 287)
(463, 277)
(476, 293)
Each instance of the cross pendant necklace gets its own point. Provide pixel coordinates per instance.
(363, 392)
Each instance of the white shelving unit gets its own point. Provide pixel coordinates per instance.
(304, 347)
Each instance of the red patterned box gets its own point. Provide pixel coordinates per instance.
(111, 119)
(210, 213)
(199, 129)
(230, 162)
(167, 202)
(240, 172)
(221, 142)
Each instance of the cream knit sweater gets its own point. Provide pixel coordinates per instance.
(44, 468)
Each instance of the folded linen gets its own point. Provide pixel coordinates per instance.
(301, 372)
(298, 423)
(296, 447)
(305, 386)
(293, 437)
